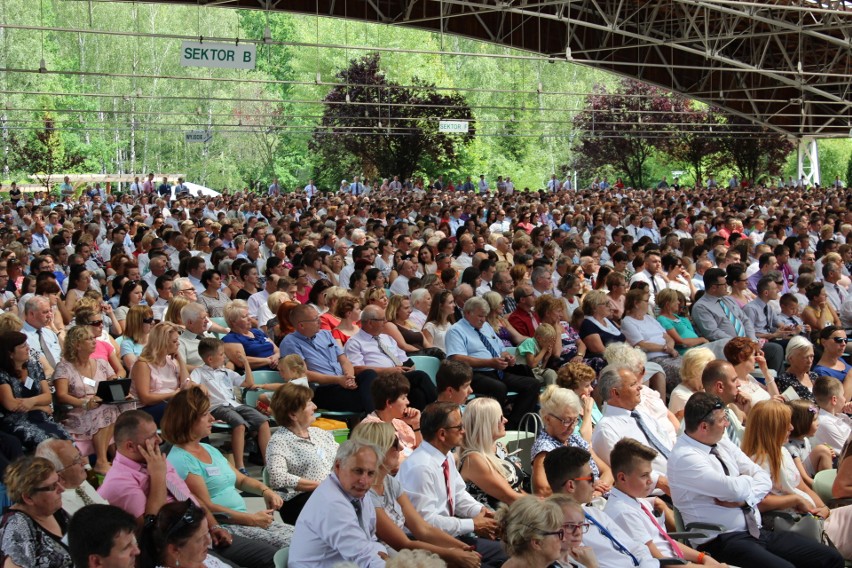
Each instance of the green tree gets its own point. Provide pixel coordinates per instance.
(44, 152)
(389, 129)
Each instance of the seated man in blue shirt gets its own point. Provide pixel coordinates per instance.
(338, 524)
(339, 388)
(472, 340)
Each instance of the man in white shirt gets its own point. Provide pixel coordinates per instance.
(421, 300)
(713, 481)
(338, 522)
(553, 184)
(622, 391)
(310, 190)
(407, 271)
(70, 465)
(430, 478)
(569, 471)
(651, 274)
(38, 313)
(629, 506)
(836, 293)
(372, 349)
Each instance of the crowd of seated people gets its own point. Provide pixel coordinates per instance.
(671, 349)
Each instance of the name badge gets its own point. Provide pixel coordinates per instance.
(90, 382)
(212, 470)
(28, 384)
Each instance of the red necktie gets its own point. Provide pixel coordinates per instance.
(675, 548)
(446, 467)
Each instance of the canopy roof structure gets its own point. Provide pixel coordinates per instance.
(784, 64)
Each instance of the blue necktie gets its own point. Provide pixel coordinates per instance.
(738, 326)
(490, 348)
(654, 441)
(615, 544)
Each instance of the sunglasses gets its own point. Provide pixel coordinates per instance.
(839, 340)
(52, 487)
(190, 517)
(147, 320)
(717, 406)
(96, 323)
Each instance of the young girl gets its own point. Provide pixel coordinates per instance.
(809, 460)
(537, 350)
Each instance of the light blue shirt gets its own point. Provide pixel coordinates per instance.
(320, 352)
(462, 339)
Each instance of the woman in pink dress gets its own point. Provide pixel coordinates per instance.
(159, 373)
(76, 381)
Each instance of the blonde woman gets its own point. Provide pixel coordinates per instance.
(401, 330)
(506, 333)
(531, 531)
(105, 346)
(490, 476)
(76, 382)
(159, 372)
(176, 304)
(692, 366)
(137, 328)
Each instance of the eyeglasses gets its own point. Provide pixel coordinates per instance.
(315, 320)
(566, 423)
(838, 340)
(591, 478)
(147, 320)
(718, 406)
(576, 528)
(99, 323)
(560, 533)
(457, 427)
(79, 460)
(48, 488)
(188, 290)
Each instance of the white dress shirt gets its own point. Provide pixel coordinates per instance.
(833, 430)
(50, 340)
(328, 532)
(627, 513)
(604, 550)
(363, 350)
(255, 301)
(615, 424)
(399, 286)
(220, 384)
(422, 477)
(655, 284)
(697, 479)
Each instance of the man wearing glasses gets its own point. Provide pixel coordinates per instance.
(713, 481)
(568, 470)
(71, 467)
(718, 316)
(622, 391)
(431, 479)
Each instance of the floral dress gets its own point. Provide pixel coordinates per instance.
(27, 544)
(35, 426)
(544, 442)
(84, 424)
(512, 471)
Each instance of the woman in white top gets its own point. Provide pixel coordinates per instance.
(646, 333)
(743, 353)
(767, 430)
(440, 318)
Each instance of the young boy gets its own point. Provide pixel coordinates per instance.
(632, 512)
(453, 381)
(537, 350)
(834, 426)
(220, 383)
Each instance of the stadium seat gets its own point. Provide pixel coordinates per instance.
(428, 365)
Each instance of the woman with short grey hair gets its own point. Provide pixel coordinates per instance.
(798, 375)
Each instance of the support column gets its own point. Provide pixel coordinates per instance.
(808, 160)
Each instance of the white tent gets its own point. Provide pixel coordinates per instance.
(196, 189)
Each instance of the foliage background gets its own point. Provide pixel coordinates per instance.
(262, 129)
